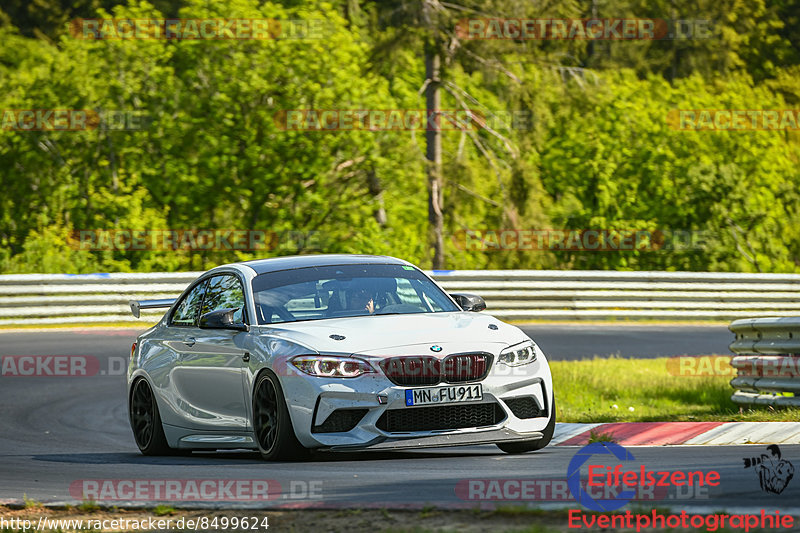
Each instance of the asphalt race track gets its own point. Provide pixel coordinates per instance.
(575, 341)
(559, 342)
(58, 432)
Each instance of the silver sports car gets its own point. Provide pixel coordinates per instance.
(333, 352)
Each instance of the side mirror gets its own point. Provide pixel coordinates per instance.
(469, 302)
(222, 319)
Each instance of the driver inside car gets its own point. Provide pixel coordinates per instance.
(362, 301)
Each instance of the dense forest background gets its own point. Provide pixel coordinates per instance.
(596, 150)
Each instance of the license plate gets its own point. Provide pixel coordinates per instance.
(440, 395)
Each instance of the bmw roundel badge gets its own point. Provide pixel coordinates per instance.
(436, 348)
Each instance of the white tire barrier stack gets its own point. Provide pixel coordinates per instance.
(767, 361)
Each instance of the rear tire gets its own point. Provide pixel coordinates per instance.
(533, 445)
(146, 421)
(271, 422)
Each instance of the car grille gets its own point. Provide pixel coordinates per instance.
(440, 417)
(465, 367)
(426, 370)
(340, 420)
(412, 371)
(525, 407)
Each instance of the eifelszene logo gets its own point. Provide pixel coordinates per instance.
(774, 473)
(613, 478)
(574, 476)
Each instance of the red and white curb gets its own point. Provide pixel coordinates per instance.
(676, 433)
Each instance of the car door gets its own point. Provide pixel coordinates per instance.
(210, 374)
(176, 340)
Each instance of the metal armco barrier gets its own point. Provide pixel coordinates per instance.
(84, 298)
(519, 295)
(767, 361)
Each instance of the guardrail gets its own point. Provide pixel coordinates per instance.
(767, 361)
(84, 298)
(521, 295)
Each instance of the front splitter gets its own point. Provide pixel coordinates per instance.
(441, 441)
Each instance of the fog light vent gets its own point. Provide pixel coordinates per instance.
(525, 407)
(340, 421)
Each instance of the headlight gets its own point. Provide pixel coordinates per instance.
(331, 367)
(521, 354)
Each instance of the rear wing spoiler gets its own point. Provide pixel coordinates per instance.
(138, 305)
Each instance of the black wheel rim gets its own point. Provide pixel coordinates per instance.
(266, 415)
(142, 413)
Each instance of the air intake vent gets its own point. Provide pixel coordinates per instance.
(340, 420)
(440, 417)
(525, 407)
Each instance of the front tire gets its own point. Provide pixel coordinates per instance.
(146, 421)
(533, 445)
(271, 423)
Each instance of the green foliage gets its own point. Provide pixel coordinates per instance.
(615, 162)
(163, 510)
(599, 436)
(54, 251)
(597, 153)
(88, 506)
(30, 503)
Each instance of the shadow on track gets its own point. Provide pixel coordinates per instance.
(248, 456)
(138, 459)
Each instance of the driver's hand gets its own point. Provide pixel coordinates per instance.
(370, 307)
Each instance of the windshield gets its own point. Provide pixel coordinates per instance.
(316, 293)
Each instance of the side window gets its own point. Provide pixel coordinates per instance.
(432, 304)
(223, 292)
(186, 312)
(406, 293)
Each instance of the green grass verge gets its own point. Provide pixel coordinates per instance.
(619, 321)
(587, 391)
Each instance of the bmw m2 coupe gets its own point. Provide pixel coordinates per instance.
(333, 352)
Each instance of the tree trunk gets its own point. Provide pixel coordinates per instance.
(376, 190)
(433, 154)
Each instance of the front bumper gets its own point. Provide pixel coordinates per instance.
(493, 436)
(311, 401)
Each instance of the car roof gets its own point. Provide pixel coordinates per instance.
(275, 264)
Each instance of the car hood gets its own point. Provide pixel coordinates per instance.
(400, 334)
